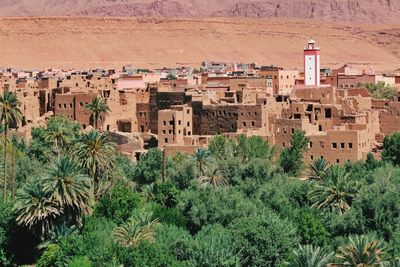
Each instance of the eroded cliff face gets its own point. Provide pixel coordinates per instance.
(361, 11)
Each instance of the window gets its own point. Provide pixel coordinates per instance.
(350, 145)
(164, 123)
(328, 113)
(189, 133)
(253, 123)
(70, 105)
(59, 105)
(292, 130)
(244, 124)
(312, 157)
(341, 145)
(334, 145)
(337, 161)
(65, 105)
(166, 140)
(179, 122)
(188, 111)
(188, 124)
(283, 144)
(310, 144)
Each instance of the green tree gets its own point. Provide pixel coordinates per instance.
(217, 147)
(149, 168)
(201, 157)
(291, 159)
(9, 113)
(214, 206)
(56, 137)
(363, 251)
(98, 109)
(391, 149)
(59, 136)
(310, 228)
(381, 90)
(119, 204)
(335, 192)
(264, 240)
(68, 188)
(254, 147)
(96, 155)
(213, 246)
(34, 208)
(213, 177)
(141, 227)
(310, 256)
(318, 168)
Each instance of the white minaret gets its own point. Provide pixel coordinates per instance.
(312, 64)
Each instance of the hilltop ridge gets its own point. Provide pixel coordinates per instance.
(372, 11)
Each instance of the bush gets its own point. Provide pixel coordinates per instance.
(264, 240)
(119, 205)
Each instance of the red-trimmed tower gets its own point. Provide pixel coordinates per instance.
(311, 64)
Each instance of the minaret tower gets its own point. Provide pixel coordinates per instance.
(311, 64)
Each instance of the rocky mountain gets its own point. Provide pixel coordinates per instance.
(361, 11)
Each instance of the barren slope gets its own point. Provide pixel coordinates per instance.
(365, 11)
(94, 42)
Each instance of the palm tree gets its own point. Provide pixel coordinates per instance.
(9, 112)
(58, 135)
(34, 208)
(68, 187)
(57, 234)
(98, 108)
(318, 168)
(310, 256)
(141, 227)
(95, 154)
(201, 157)
(213, 178)
(363, 251)
(336, 191)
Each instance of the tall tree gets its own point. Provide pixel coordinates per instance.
(34, 208)
(96, 155)
(291, 159)
(69, 188)
(391, 149)
(140, 227)
(310, 256)
(9, 113)
(318, 168)
(98, 109)
(336, 191)
(363, 251)
(201, 157)
(59, 136)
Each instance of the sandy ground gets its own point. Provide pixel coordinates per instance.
(65, 42)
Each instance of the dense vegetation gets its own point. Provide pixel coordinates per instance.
(237, 203)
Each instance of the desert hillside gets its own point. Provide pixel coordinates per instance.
(361, 11)
(113, 42)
